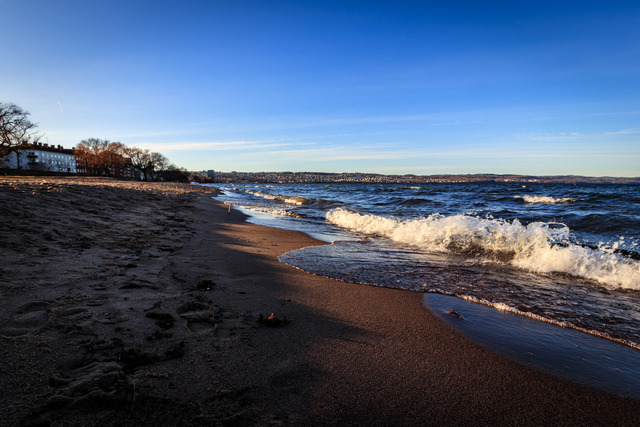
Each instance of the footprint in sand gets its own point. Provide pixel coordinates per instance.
(29, 318)
(199, 316)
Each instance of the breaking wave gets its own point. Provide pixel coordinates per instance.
(294, 200)
(268, 210)
(545, 199)
(538, 247)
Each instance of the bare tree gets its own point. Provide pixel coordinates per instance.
(113, 158)
(152, 165)
(141, 160)
(16, 130)
(160, 163)
(101, 157)
(88, 153)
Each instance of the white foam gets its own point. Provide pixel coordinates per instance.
(545, 199)
(509, 309)
(292, 200)
(266, 210)
(538, 247)
(297, 200)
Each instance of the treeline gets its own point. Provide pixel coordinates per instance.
(93, 156)
(101, 157)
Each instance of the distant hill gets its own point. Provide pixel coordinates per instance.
(321, 177)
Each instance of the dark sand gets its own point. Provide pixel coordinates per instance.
(139, 304)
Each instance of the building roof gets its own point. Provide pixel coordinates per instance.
(51, 148)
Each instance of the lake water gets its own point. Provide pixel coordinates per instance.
(563, 254)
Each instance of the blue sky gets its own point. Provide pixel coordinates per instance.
(544, 87)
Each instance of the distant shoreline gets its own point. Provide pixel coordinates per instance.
(325, 178)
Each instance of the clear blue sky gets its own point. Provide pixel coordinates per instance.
(426, 87)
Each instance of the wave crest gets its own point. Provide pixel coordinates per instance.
(538, 247)
(545, 199)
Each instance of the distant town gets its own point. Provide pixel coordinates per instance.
(23, 152)
(319, 177)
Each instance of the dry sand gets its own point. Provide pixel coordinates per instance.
(139, 304)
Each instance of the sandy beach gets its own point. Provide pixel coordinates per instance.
(125, 303)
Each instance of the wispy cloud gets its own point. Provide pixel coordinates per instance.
(616, 113)
(576, 135)
(550, 136)
(382, 152)
(633, 131)
(214, 146)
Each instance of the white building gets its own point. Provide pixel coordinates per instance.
(42, 157)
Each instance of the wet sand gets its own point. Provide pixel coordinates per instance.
(141, 304)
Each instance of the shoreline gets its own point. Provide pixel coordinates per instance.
(575, 354)
(159, 321)
(563, 351)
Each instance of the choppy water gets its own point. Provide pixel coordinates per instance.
(561, 253)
